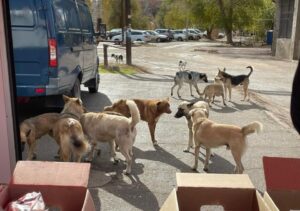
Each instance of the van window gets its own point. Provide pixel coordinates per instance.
(85, 17)
(21, 13)
(60, 20)
(71, 15)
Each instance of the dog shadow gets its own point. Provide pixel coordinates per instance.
(217, 164)
(234, 107)
(96, 101)
(126, 187)
(154, 78)
(161, 155)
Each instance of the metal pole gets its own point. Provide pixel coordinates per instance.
(128, 32)
(105, 55)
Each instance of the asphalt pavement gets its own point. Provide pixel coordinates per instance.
(153, 172)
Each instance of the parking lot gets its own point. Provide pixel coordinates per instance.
(153, 174)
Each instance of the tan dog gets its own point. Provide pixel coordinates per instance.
(212, 90)
(68, 132)
(210, 134)
(150, 111)
(34, 128)
(232, 81)
(112, 128)
(183, 110)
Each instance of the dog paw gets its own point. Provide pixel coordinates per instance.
(155, 143)
(194, 169)
(186, 150)
(126, 172)
(205, 169)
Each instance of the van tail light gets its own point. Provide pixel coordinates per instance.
(40, 90)
(52, 44)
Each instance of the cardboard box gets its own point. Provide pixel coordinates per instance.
(282, 177)
(196, 192)
(63, 185)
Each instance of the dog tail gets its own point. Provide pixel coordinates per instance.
(134, 112)
(252, 128)
(251, 70)
(80, 145)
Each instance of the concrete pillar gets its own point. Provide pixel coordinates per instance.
(296, 32)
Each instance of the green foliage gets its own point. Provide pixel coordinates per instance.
(113, 14)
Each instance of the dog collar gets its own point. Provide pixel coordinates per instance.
(67, 114)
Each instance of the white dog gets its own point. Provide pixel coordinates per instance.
(115, 129)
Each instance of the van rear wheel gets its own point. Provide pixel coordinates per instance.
(95, 86)
(76, 92)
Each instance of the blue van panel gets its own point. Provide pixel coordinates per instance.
(30, 43)
(34, 22)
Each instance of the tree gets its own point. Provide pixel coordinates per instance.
(238, 13)
(113, 14)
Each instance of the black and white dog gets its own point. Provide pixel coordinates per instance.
(181, 65)
(118, 58)
(190, 77)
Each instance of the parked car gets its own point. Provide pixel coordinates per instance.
(53, 47)
(136, 35)
(179, 35)
(166, 32)
(114, 32)
(157, 37)
(192, 34)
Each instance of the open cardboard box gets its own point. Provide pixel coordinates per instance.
(282, 177)
(196, 192)
(63, 185)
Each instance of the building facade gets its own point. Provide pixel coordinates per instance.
(286, 35)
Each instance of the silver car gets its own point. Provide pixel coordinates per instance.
(179, 35)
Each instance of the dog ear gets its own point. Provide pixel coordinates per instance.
(78, 101)
(206, 112)
(66, 98)
(192, 112)
(190, 104)
(28, 132)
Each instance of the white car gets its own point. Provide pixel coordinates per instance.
(179, 35)
(136, 35)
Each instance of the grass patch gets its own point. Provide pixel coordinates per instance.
(123, 69)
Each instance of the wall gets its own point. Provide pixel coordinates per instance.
(7, 150)
(287, 48)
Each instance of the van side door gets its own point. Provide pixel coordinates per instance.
(88, 45)
(69, 42)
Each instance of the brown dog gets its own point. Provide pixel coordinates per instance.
(210, 135)
(212, 90)
(34, 128)
(68, 132)
(150, 111)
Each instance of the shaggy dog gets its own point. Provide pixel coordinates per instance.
(34, 128)
(68, 132)
(210, 135)
(150, 111)
(115, 129)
